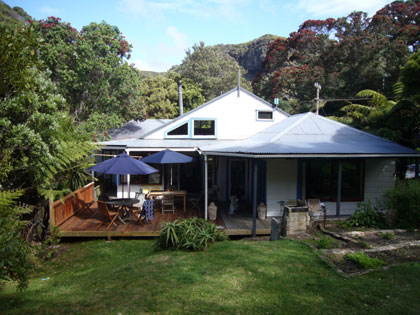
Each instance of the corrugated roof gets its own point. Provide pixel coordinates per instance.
(310, 134)
(136, 129)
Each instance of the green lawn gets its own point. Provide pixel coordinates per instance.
(128, 277)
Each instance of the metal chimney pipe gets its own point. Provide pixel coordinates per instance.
(181, 106)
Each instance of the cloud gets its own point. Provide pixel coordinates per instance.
(163, 55)
(209, 9)
(49, 11)
(336, 8)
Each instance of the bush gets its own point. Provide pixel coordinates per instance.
(367, 216)
(364, 261)
(189, 234)
(325, 242)
(404, 199)
(14, 252)
(387, 235)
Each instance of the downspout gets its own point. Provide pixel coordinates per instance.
(206, 197)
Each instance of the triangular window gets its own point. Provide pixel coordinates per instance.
(179, 131)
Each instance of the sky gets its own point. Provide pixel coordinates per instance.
(162, 30)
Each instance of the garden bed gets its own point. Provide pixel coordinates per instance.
(362, 250)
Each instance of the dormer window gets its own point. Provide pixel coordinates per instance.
(204, 127)
(181, 130)
(264, 115)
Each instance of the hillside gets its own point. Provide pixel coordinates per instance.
(249, 55)
(12, 15)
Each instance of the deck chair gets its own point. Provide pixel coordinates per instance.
(316, 208)
(106, 214)
(147, 213)
(168, 202)
(195, 201)
(84, 206)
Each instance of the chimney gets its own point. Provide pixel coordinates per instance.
(181, 106)
(239, 83)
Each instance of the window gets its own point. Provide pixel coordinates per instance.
(204, 128)
(179, 131)
(322, 180)
(265, 115)
(151, 179)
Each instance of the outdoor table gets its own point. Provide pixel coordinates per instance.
(125, 207)
(177, 193)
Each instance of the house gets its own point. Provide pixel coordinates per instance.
(248, 148)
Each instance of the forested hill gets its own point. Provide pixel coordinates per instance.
(12, 15)
(250, 55)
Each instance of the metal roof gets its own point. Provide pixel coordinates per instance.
(309, 134)
(136, 129)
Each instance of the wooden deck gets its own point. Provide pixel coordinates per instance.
(87, 225)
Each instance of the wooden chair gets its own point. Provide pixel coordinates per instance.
(168, 202)
(195, 201)
(84, 206)
(106, 214)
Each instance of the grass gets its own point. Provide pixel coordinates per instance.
(128, 277)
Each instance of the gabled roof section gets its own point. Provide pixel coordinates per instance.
(136, 129)
(309, 134)
(242, 90)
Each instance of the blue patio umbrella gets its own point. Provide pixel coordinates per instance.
(123, 164)
(167, 157)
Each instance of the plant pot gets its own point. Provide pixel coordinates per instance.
(212, 208)
(262, 211)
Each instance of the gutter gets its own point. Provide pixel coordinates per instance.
(268, 156)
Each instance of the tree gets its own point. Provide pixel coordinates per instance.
(215, 71)
(14, 252)
(160, 95)
(90, 68)
(344, 55)
(39, 146)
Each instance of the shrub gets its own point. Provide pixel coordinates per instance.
(325, 242)
(387, 235)
(367, 216)
(404, 199)
(189, 234)
(364, 261)
(14, 252)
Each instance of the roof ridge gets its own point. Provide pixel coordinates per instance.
(281, 134)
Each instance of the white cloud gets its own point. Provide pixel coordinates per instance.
(49, 11)
(337, 8)
(163, 55)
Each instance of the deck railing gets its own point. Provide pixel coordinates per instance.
(70, 204)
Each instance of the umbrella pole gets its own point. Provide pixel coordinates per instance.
(128, 183)
(122, 187)
(171, 178)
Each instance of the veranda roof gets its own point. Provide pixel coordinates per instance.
(311, 135)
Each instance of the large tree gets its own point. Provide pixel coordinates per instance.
(214, 70)
(344, 55)
(90, 68)
(160, 95)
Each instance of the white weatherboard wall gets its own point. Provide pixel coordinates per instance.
(235, 117)
(379, 175)
(281, 183)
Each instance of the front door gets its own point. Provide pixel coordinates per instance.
(238, 178)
